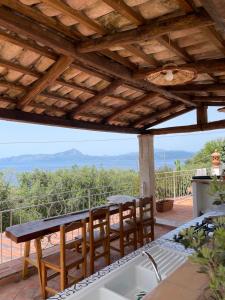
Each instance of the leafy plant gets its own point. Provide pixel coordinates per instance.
(210, 255)
(217, 189)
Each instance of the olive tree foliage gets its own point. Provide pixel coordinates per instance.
(6, 204)
(42, 194)
(202, 159)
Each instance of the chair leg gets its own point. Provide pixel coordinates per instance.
(141, 235)
(92, 266)
(62, 280)
(135, 240)
(107, 252)
(122, 245)
(152, 232)
(44, 281)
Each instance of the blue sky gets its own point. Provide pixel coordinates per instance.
(56, 139)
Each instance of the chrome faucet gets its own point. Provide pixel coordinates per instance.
(155, 268)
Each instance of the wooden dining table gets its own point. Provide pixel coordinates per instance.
(36, 230)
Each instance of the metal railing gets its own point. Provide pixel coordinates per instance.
(173, 184)
(39, 208)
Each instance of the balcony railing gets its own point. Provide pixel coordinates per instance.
(168, 184)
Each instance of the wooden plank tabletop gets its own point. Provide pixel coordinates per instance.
(34, 229)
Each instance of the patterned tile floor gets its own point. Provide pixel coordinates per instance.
(14, 288)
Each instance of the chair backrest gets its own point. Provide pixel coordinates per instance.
(99, 220)
(64, 244)
(146, 208)
(127, 211)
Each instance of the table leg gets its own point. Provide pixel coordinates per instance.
(26, 259)
(37, 244)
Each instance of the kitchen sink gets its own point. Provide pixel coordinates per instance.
(132, 282)
(133, 279)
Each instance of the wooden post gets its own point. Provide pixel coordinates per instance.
(146, 166)
(202, 116)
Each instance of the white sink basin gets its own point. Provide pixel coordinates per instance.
(132, 282)
(132, 278)
(100, 294)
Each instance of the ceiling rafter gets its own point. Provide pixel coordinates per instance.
(158, 112)
(189, 128)
(45, 52)
(121, 7)
(216, 87)
(167, 118)
(172, 46)
(20, 25)
(48, 79)
(129, 106)
(93, 100)
(24, 89)
(21, 116)
(149, 31)
(24, 70)
(66, 9)
(215, 38)
(216, 10)
(41, 18)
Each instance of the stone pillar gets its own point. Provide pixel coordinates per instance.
(146, 165)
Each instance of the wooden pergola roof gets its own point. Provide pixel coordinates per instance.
(82, 63)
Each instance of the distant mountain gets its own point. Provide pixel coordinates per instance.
(74, 157)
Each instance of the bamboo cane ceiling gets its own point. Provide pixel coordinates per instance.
(83, 63)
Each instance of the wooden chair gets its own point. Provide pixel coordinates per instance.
(125, 228)
(61, 263)
(145, 220)
(99, 236)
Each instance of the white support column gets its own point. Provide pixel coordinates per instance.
(146, 166)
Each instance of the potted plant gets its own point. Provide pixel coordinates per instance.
(163, 204)
(210, 256)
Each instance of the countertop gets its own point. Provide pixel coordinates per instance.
(177, 286)
(165, 240)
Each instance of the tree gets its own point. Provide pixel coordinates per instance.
(203, 158)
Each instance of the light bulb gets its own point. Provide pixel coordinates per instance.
(169, 75)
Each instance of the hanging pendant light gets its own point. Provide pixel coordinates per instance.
(171, 74)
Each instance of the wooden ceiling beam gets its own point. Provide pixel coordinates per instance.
(129, 106)
(94, 100)
(215, 87)
(27, 44)
(120, 59)
(172, 46)
(145, 32)
(83, 19)
(210, 99)
(214, 37)
(121, 7)
(135, 50)
(189, 128)
(24, 89)
(41, 18)
(216, 10)
(155, 115)
(171, 116)
(48, 79)
(74, 14)
(222, 109)
(65, 47)
(20, 116)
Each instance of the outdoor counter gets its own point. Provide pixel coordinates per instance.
(164, 241)
(202, 199)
